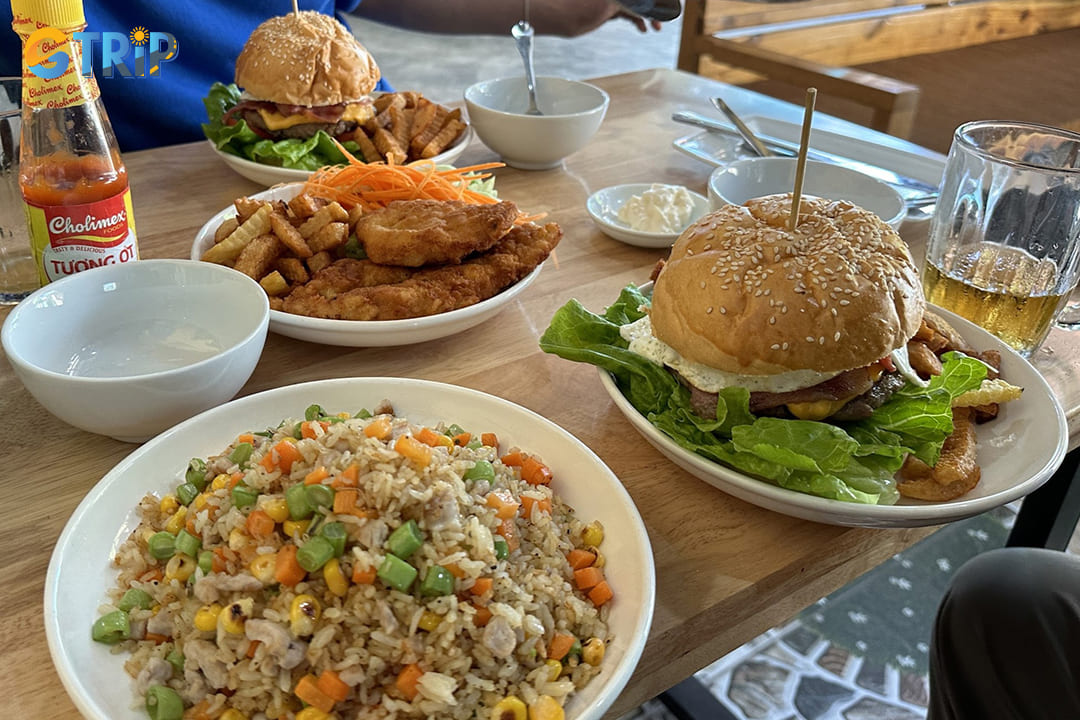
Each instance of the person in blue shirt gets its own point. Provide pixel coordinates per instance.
(168, 110)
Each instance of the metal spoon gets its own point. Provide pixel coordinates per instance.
(747, 134)
(523, 36)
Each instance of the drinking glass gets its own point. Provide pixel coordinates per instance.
(1004, 246)
(18, 278)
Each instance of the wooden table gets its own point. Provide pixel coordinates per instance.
(726, 570)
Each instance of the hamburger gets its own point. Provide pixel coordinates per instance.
(302, 73)
(802, 357)
(814, 323)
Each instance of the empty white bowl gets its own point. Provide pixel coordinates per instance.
(742, 180)
(572, 110)
(130, 350)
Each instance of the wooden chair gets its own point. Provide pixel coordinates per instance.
(818, 43)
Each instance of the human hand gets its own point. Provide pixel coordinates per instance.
(640, 23)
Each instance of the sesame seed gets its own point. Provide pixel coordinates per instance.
(809, 339)
(775, 346)
(708, 311)
(845, 302)
(702, 284)
(784, 346)
(723, 310)
(836, 335)
(772, 320)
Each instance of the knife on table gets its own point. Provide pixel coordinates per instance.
(915, 192)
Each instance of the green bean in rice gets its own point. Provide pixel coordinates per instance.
(460, 626)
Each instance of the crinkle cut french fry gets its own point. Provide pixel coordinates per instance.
(331, 235)
(431, 129)
(304, 206)
(293, 269)
(443, 139)
(367, 148)
(388, 146)
(229, 249)
(225, 228)
(327, 214)
(989, 393)
(274, 284)
(246, 207)
(258, 256)
(290, 236)
(318, 261)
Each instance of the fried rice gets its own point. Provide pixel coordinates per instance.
(219, 615)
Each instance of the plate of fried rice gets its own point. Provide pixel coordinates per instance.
(361, 548)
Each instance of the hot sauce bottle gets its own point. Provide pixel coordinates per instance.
(74, 184)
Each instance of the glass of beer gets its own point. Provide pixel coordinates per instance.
(1004, 246)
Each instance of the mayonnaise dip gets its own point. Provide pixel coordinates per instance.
(660, 209)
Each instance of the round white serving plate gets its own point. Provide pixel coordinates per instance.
(1018, 451)
(270, 175)
(366, 333)
(81, 569)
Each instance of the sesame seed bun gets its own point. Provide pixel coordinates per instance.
(305, 58)
(743, 294)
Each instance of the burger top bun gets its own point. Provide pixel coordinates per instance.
(305, 58)
(743, 294)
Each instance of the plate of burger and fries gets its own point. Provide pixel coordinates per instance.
(305, 89)
(379, 255)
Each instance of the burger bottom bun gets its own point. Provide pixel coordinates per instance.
(744, 294)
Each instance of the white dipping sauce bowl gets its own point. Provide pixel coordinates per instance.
(130, 350)
(742, 180)
(572, 110)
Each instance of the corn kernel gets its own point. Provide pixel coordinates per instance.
(600, 560)
(554, 668)
(238, 539)
(335, 579)
(263, 566)
(592, 652)
(169, 504)
(180, 567)
(176, 522)
(303, 613)
(290, 439)
(277, 509)
(200, 502)
(232, 714)
(295, 528)
(429, 621)
(509, 708)
(206, 617)
(312, 713)
(220, 482)
(232, 617)
(546, 708)
(593, 534)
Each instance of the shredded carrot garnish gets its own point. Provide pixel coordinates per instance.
(376, 185)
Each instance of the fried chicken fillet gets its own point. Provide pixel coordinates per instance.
(413, 233)
(430, 291)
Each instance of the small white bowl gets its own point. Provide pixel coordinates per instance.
(572, 110)
(270, 175)
(130, 350)
(603, 207)
(742, 180)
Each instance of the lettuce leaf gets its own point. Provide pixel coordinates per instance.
(854, 462)
(240, 140)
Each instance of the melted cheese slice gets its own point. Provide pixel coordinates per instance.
(354, 112)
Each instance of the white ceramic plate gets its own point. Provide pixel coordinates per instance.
(366, 333)
(1018, 452)
(80, 570)
(603, 207)
(720, 149)
(269, 175)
